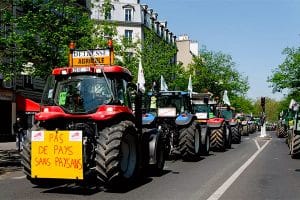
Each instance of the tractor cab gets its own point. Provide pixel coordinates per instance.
(165, 105)
(203, 106)
(84, 90)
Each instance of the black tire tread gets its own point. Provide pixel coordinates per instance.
(187, 142)
(236, 137)
(217, 139)
(108, 152)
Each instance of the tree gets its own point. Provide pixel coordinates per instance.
(216, 72)
(40, 34)
(242, 104)
(272, 109)
(287, 74)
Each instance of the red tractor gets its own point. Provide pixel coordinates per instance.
(90, 126)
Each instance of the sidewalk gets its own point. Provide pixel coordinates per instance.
(9, 156)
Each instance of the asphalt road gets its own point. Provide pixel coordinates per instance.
(255, 169)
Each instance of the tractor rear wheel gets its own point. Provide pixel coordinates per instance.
(281, 132)
(217, 139)
(189, 142)
(117, 154)
(236, 136)
(228, 137)
(245, 130)
(26, 156)
(205, 143)
(26, 162)
(295, 146)
(158, 167)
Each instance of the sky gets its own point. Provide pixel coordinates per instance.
(253, 32)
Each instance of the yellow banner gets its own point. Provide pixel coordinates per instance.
(81, 58)
(79, 62)
(56, 154)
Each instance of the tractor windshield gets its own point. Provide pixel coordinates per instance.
(82, 93)
(172, 102)
(201, 108)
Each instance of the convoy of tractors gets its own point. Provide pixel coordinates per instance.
(96, 125)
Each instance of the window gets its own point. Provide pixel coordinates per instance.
(108, 15)
(128, 34)
(28, 82)
(128, 14)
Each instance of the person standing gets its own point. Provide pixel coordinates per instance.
(19, 132)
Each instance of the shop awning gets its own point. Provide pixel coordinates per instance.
(26, 105)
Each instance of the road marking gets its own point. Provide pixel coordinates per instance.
(19, 177)
(258, 147)
(222, 189)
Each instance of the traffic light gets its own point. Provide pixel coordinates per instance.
(263, 102)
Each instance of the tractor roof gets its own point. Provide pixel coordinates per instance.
(97, 70)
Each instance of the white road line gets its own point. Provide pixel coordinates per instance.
(258, 147)
(222, 189)
(19, 177)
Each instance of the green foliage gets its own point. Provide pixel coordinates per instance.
(287, 74)
(41, 34)
(242, 104)
(216, 72)
(272, 109)
(157, 59)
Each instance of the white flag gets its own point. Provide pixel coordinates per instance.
(163, 84)
(141, 78)
(292, 103)
(225, 98)
(190, 86)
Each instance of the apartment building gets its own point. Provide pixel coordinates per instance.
(187, 49)
(131, 18)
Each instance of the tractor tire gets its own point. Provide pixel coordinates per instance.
(281, 132)
(218, 139)
(205, 144)
(158, 167)
(236, 136)
(245, 131)
(117, 154)
(26, 163)
(295, 146)
(228, 137)
(189, 142)
(26, 156)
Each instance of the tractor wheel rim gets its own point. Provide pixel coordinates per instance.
(207, 144)
(197, 141)
(129, 157)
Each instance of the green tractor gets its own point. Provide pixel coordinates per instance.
(283, 123)
(293, 138)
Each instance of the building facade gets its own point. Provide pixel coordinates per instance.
(187, 49)
(131, 18)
